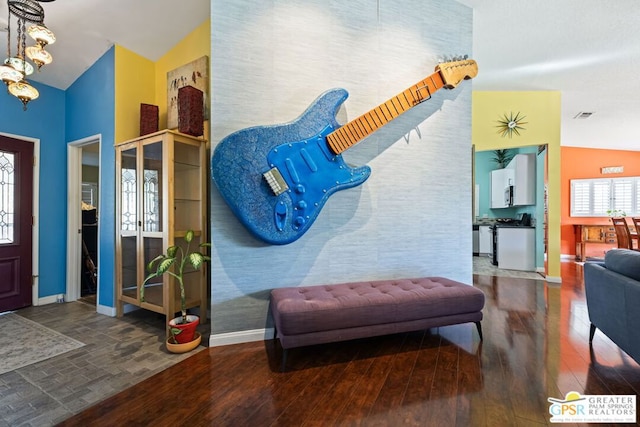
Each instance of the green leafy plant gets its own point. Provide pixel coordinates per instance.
(616, 213)
(178, 258)
(502, 157)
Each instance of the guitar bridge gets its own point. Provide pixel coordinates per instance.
(276, 181)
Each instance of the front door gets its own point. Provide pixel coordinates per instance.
(16, 213)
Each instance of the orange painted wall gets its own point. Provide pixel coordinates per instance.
(577, 163)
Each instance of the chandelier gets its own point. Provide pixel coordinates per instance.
(16, 68)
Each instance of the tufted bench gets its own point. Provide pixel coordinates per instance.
(310, 315)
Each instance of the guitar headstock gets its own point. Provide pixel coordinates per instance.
(455, 71)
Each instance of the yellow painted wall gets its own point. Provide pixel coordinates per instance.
(194, 46)
(134, 84)
(542, 116)
(140, 80)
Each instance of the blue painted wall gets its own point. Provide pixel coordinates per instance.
(86, 108)
(44, 120)
(91, 111)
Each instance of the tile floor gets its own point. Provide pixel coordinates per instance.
(117, 354)
(482, 265)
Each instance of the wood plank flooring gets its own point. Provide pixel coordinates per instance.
(535, 346)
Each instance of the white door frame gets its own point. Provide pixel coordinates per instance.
(74, 216)
(35, 234)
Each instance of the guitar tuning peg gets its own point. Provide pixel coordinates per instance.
(460, 58)
(445, 58)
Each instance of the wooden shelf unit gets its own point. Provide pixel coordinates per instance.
(160, 194)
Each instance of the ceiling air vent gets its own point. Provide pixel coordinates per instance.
(583, 115)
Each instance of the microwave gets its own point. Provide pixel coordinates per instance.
(508, 195)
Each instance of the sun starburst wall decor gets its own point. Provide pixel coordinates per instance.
(511, 124)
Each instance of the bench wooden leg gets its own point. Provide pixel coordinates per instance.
(592, 332)
(283, 367)
(479, 327)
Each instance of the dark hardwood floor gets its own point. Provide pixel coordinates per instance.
(535, 346)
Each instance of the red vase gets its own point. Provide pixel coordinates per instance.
(190, 111)
(188, 330)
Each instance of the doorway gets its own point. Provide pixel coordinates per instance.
(16, 223)
(488, 209)
(83, 161)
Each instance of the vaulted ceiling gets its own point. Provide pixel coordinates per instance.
(589, 50)
(86, 29)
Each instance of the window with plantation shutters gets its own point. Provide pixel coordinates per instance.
(623, 195)
(601, 198)
(605, 197)
(580, 198)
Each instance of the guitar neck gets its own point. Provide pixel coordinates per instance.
(356, 130)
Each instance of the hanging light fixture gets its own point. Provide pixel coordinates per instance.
(16, 68)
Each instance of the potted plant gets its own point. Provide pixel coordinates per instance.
(502, 157)
(183, 327)
(616, 213)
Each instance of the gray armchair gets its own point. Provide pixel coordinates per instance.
(613, 298)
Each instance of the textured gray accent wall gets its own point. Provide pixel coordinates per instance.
(269, 61)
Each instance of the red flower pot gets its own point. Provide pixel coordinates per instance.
(188, 330)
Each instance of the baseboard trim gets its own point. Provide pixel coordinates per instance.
(553, 279)
(52, 299)
(238, 337)
(106, 310)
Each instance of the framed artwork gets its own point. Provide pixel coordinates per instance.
(196, 74)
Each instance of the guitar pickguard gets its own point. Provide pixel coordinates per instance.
(312, 174)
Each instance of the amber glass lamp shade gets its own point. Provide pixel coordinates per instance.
(41, 34)
(39, 56)
(24, 92)
(9, 74)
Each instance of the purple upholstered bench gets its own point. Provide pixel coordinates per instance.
(310, 315)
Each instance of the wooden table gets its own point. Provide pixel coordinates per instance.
(592, 233)
(598, 233)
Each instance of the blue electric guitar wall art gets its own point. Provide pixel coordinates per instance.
(277, 178)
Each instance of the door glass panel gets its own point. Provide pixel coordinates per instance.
(128, 192)
(153, 288)
(152, 200)
(7, 190)
(129, 266)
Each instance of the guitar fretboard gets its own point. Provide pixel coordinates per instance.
(357, 129)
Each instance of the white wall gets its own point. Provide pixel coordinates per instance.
(269, 61)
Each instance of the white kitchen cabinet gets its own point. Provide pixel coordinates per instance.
(484, 240)
(524, 179)
(500, 180)
(517, 248)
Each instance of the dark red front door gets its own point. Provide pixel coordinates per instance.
(16, 213)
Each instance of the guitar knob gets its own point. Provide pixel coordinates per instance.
(300, 189)
(302, 205)
(299, 221)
